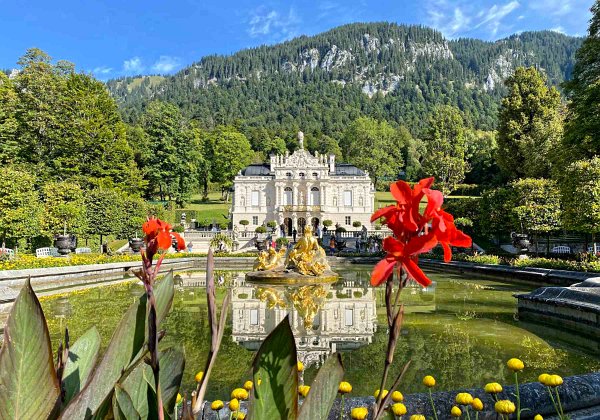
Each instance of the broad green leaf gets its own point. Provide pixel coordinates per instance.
(323, 390)
(29, 388)
(172, 364)
(139, 384)
(125, 344)
(80, 363)
(123, 408)
(136, 386)
(275, 366)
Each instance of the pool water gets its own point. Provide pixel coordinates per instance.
(460, 330)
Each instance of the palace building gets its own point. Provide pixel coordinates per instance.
(301, 188)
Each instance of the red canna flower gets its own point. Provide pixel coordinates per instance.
(415, 232)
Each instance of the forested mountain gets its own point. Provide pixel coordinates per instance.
(321, 83)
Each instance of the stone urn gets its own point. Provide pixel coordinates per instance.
(63, 244)
(521, 242)
(136, 244)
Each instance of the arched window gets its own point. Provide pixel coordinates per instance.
(288, 196)
(361, 201)
(315, 196)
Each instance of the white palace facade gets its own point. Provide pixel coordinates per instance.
(302, 188)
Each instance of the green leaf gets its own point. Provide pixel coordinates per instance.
(136, 385)
(275, 365)
(323, 390)
(123, 407)
(126, 343)
(80, 363)
(172, 364)
(29, 388)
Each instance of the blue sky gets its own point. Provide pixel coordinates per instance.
(128, 37)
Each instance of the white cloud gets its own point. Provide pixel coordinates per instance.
(102, 70)
(461, 18)
(133, 65)
(559, 29)
(553, 7)
(272, 24)
(166, 64)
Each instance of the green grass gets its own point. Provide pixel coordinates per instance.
(213, 209)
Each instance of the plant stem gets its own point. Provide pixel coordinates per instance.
(467, 412)
(342, 410)
(518, 396)
(561, 414)
(432, 405)
(553, 400)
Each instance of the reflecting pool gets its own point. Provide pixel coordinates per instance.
(460, 330)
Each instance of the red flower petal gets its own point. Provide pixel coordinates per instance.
(420, 244)
(435, 199)
(393, 246)
(401, 192)
(382, 212)
(164, 240)
(461, 239)
(151, 226)
(447, 252)
(382, 270)
(180, 241)
(414, 272)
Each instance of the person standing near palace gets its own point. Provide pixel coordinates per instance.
(294, 234)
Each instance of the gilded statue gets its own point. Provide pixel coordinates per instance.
(307, 257)
(269, 260)
(271, 296)
(308, 301)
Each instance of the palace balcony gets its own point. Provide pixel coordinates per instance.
(299, 208)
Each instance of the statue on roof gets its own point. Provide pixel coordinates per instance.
(301, 139)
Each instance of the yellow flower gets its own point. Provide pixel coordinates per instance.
(477, 404)
(359, 413)
(376, 394)
(493, 388)
(538, 417)
(300, 366)
(345, 388)
(179, 399)
(464, 398)
(554, 380)
(259, 381)
(455, 412)
(248, 385)
(515, 365)
(504, 407)
(238, 416)
(417, 417)
(429, 381)
(303, 390)
(217, 405)
(239, 393)
(398, 409)
(397, 396)
(199, 376)
(234, 405)
(543, 378)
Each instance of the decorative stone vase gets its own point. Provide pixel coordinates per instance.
(136, 244)
(521, 242)
(63, 244)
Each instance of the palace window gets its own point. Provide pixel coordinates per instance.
(288, 196)
(288, 174)
(253, 316)
(315, 175)
(255, 198)
(349, 317)
(255, 220)
(348, 198)
(315, 196)
(348, 220)
(361, 201)
(301, 174)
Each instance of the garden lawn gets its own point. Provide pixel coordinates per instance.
(212, 210)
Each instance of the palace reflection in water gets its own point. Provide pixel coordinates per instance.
(343, 316)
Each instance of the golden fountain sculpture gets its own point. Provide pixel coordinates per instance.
(307, 300)
(306, 263)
